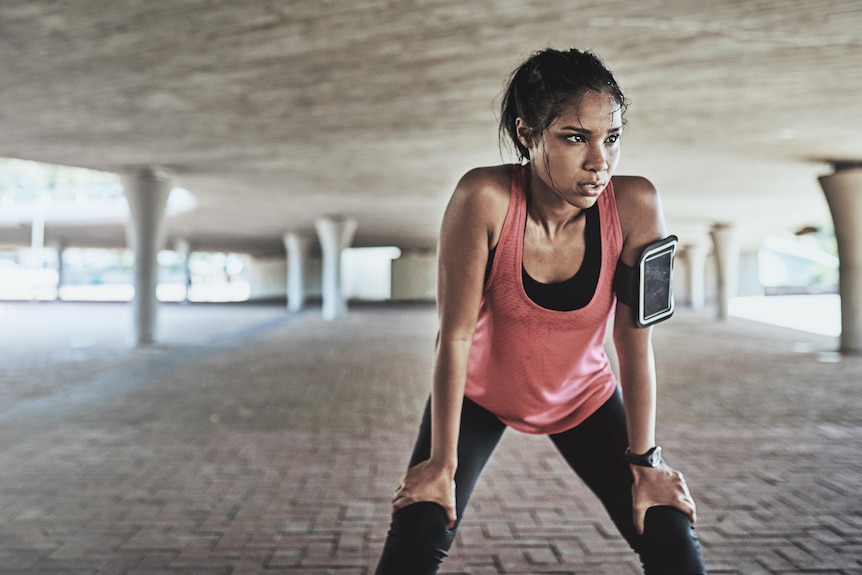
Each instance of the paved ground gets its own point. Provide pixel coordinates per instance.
(255, 442)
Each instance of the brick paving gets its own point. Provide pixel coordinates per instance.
(254, 442)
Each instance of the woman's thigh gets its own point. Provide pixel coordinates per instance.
(595, 450)
(419, 538)
(479, 434)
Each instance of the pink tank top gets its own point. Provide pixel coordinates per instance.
(540, 370)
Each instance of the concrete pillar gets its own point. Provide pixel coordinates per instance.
(60, 248)
(297, 246)
(843, 191)
(37, 239)
(726, 244)
(147, 193)
(695, 279)
(37, 247)
(335, 235)
(183, 248)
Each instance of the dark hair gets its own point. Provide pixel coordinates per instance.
(549, 80)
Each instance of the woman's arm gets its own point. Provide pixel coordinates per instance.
(642, 223)
(470, 225)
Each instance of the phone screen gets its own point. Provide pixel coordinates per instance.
(657, 292)
(656, 276)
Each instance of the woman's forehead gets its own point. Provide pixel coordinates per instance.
(594, 108)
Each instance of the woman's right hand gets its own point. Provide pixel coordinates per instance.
(427, 481)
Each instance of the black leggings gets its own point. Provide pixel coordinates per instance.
(419, 540)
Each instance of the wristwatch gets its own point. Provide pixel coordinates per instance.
(651, 458)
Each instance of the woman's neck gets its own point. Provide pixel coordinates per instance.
(547, 210)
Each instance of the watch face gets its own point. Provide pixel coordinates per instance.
(655, 457)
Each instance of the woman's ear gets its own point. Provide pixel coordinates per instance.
(525, 133)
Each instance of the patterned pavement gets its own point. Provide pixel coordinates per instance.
(251, 441)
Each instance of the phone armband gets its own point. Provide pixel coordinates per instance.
(648, 286)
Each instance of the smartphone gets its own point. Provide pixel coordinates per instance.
(656, 282)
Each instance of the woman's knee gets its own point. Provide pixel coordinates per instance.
(418, 540)
(669, 543)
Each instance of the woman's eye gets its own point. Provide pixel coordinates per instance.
(575, 138)
(613, 139)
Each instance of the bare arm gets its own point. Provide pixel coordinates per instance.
(642, 222)
(462, 257)
(470, 226)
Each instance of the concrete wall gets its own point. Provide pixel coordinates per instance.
(414, 276)
(749, 274)
(367, 273)
(268, 278)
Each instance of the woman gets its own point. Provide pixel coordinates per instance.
(527, 257)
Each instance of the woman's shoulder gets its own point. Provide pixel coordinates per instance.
(487, 188)
(480, 201)
(488, 180)
(634, 195)
(633, 188)
(640, 213)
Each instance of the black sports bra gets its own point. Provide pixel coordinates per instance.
(577, 291)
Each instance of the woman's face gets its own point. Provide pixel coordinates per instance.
(578, 153)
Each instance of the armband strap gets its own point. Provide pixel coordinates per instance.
(647, 287)
(625, 283)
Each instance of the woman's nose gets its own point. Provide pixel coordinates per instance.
(596, 160)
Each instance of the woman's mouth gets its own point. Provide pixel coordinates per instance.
(592, 188)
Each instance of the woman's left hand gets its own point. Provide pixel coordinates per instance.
(661, 485)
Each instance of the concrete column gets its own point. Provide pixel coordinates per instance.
(147, 193)
(297, 246)
(726, 244)
(60, 248)
(37, 246)
(183, 248)
(843, 191)
(335, 236)
(695, 279)
(37, 239)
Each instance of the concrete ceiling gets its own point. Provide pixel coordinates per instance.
(276, 113)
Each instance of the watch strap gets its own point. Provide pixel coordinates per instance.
(651, 458)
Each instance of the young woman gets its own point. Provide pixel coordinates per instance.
(527, 258)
